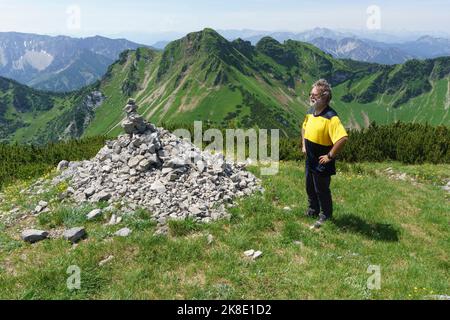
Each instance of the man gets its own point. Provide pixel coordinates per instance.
(323, 137)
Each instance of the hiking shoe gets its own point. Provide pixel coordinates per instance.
(311, 213)
(320, 222)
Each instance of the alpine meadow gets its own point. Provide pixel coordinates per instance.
(94, 178)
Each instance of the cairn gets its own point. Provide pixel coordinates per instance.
(149, 167)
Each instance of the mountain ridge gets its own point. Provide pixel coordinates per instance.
(37, 60)
(225, 83)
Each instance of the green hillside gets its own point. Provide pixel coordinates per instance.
(29, 115)
(205, 77)
(399, 225)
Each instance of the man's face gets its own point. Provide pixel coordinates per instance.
(316, 99)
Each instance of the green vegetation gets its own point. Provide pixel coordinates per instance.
(398, 225)
(404, 142)
(28, 161)
(205, 77)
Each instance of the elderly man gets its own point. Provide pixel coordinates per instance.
(323, 137)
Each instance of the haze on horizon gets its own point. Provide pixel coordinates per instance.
(140, 20)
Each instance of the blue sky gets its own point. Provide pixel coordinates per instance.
(109, 17)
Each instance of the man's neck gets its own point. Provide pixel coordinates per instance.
(318, 111)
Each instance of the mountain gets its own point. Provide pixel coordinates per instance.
(356, 49)
(203, 76)
(57, 63)
(426, 47)
(361, 46)
(160, 45)
(281, 36)
(30, 115)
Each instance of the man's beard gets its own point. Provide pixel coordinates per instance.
(314, 103)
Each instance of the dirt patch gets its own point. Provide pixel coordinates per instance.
(366, 118)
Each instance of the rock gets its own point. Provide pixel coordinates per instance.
(155, 201)
(94, 214)
(257, 254)
(79, 197)
(144, 164)
(62, 165)
(158, 186)
(249, 253)
(105, 261)
(210, 239)
(124, 232)
(133, 123)
(131, 106)
(114, 220)
(200, 165)
(33, 235)
(37, 209)
(89, 191)
(40, 207)
(43, 204)
(74, 234)
(133, 162)
(101, 196)
(287, 208)
(253, 254)
(195, 210)
(298, 243)
(175, 163)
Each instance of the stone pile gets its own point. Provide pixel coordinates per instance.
(149, 167)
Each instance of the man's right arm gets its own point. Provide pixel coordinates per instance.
(303, 141)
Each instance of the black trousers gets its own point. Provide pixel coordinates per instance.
(319, 193)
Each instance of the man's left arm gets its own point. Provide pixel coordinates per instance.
(339, 137)
(337, 147)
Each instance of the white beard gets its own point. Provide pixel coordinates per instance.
(313, 103)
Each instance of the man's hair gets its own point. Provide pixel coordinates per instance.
(324, 87)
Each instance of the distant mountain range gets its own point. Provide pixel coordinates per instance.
(57, 63)
(62, 63)
(203, 76)
(367, 47)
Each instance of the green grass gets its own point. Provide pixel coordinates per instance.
(400, 226)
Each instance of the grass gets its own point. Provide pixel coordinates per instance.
(397, 225)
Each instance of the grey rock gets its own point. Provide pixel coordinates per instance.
(62, 165)
(89, 191)
(94, 214)
(257, 254)
(33, 235)
(175, 163)
(124, 232)
(74, 234)
(101, 196)
(106, 260)
(158, 186)
(249, 253)
(133, 162)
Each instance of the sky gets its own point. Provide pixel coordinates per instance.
(171, 17)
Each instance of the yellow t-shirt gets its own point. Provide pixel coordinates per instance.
(321, 133)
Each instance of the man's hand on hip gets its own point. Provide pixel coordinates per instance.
(324, 159)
